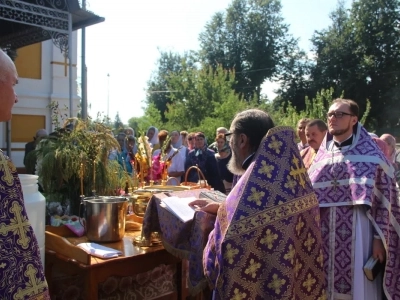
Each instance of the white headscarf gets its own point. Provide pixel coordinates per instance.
(154, 140)
(178, 144)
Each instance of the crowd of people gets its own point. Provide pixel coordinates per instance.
(190, 158)
(281, 234)
(300, 219)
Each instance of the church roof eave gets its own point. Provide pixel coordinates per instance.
(14, 34)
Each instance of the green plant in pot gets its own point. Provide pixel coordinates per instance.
(83, 149)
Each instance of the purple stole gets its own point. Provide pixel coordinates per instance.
(21, 270)
(266, 242)
(359, 175)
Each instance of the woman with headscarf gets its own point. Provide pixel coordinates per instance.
(152, 135)
(128, 153)
(176, 141)
(184, 135)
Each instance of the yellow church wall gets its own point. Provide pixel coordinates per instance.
(24, 127)
(29, 61)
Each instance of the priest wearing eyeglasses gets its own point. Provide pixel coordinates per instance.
(360, 213)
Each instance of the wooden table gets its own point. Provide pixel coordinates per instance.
(61, 251)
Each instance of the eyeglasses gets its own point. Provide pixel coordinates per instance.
(189, 139)
(337, 114)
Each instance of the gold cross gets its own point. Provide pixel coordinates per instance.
(34, 286)
(4, 166)
(65, 64)
(335, 183)
(18, 225)
(298, 171)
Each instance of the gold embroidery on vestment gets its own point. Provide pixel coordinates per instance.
(19, 225)
(275, 145)
(252, 269)
(266, 169)
(299, 226)
(309, 242)
(7, 167)
(290, 184)
(276, 283)
(33, 286)
(256, 196)
(238, 295)
(230, 253)
(269, 239)
(290, 254)
(298, 171)
(310, 281)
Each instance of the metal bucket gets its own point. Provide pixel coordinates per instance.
(105, 218)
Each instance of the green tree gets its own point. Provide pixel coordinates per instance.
(203, 99)
(251, 38)
(295, 85)
(315, 108)
(158, 92)
(360, 55)
(118, 124)
(152, 117)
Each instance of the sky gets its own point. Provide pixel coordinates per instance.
(121, 52)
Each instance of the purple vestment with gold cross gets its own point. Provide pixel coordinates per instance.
(266, 242)
(355, 183)
(21, 270)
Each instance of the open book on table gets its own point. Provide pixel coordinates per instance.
(179, 207)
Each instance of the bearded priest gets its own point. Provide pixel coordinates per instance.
(266, 242)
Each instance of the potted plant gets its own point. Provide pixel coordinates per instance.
(73, 161)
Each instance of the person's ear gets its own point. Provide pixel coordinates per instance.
(243, 140)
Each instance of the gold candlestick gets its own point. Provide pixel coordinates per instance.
(94, 177)
(81, 177)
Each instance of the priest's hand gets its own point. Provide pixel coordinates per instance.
(207, 206)
(378, 250)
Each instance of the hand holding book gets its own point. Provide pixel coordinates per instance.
(372, 268)
(375, 263)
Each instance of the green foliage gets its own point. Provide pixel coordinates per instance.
(58, 115)
(62, 158)
(118, 125)
(249, 37)
(158, 93)
(204, 99)
(315, 108)
(360, 55)
(152, 117)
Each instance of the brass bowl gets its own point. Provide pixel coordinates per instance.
(139, 204)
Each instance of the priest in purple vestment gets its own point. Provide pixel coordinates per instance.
(360, 212)
(266, 242)
(21, 270)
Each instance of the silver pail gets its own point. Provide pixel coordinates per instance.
(105, 218)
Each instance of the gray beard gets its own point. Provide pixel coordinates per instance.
(234, 166)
